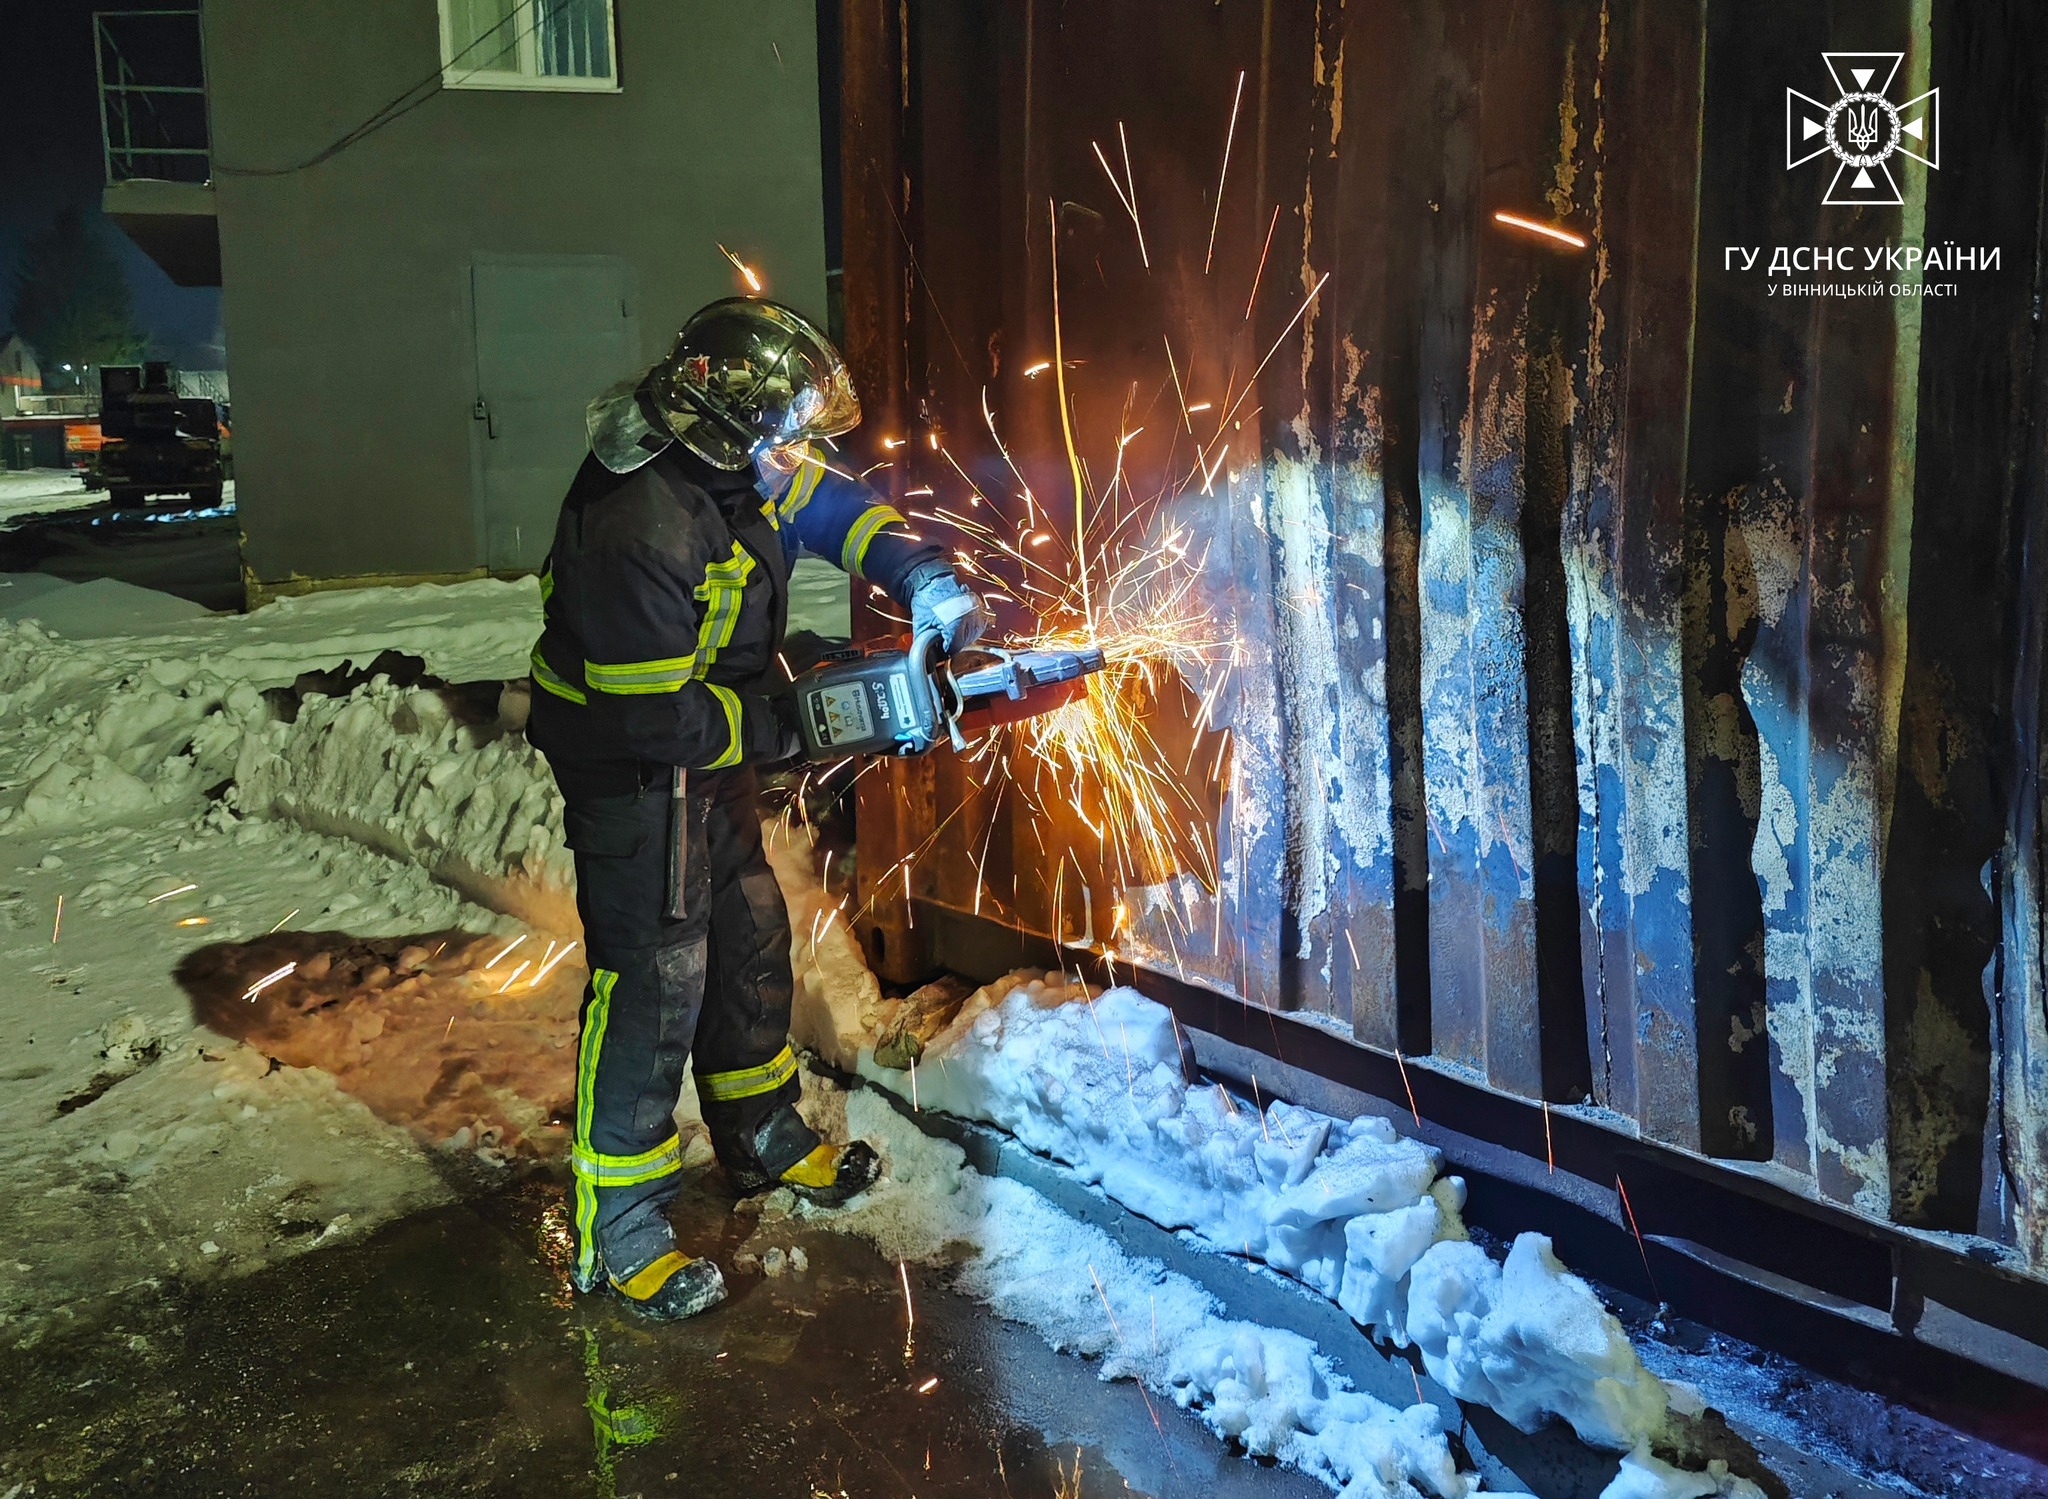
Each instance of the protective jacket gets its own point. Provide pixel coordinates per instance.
(666, 599)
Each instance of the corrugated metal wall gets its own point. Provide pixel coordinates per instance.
(1626, 706)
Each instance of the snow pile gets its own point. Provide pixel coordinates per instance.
(397, 769)
(1267, 1389)
(134, 728)
(103, 606)
(464, 631)
(92, 744)
(1349, 1208)
(1530, 1339)
(1645, 1477)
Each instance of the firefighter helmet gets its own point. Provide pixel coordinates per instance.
(748, 376)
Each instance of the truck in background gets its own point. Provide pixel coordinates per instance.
(153, 441)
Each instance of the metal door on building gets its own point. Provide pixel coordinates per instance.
(550, 333)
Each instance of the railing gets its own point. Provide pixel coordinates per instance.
(79, 403)
(151, 68)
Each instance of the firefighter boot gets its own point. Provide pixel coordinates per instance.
(786, 1152)
(834, 1174)
(671, 1288)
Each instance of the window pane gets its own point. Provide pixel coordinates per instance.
(575, 38)
(483, 35)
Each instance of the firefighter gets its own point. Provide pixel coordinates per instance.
(666, 599)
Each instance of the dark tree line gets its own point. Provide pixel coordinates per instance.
(71, 301)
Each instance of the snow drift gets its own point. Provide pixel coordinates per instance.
(1267, 1389)
(1350, 1208)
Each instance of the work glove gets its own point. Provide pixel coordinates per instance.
(940, 601)
(769, 729)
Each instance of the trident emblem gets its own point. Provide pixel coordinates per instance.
(1863, 130)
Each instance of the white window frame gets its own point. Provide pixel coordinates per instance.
(528, 77)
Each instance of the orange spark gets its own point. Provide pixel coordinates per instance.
(1105, 1302)
(1402, 1062)
(747, 274)
(267, 980)
(505, 951)
(1259, 274)
(1641, 1248)
(1228, 136)
(548, 966)
(1536, 226)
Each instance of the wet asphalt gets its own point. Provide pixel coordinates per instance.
(446, 1354)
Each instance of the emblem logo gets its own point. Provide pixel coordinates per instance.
(1863, 130)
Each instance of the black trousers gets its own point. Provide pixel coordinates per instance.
(687, 936)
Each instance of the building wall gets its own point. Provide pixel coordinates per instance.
(346, 283)
(19, 375)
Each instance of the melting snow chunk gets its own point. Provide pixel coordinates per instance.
(1350, 1207)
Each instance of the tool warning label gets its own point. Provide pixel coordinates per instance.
(841, 713)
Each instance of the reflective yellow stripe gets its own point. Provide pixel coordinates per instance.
(547, 585)
(588, 1049)
(863, 533)
(730, 701)
(628, 1170)
(628, 677)
(802, 485)
(722, 593)
(724, 1087)
(768, 510)
(545, 676)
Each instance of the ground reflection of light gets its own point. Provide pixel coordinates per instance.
(213, 512)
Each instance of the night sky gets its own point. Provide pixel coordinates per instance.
(52, 158)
